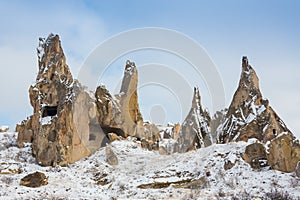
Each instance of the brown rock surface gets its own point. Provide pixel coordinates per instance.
(297, 170)
(64, 125)
(249, 115)
(255, 155)
(121, 114)
(3, 129)
(111, 157)
(284, 153)
(34, 180)
(195, 130)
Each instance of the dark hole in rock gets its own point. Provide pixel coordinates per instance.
(92, 137)
(117, 131)
(49, 111)
(274, 131)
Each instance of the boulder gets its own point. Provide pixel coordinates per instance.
(249, 115)
(195, 130)
(284, 152)
(34, 180)
(255, 155)
(111, 157)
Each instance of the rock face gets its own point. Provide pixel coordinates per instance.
(68, 123)
(64, 126)
(34, 180)
(120, 114)
(297, 170)
(195, 130)
(249, 115)
(255, 155)
(284, 152)
(111, 157)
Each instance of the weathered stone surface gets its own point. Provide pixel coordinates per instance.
(34, 180)
(111, 157)
(284, 153)
(112, 137)
(121, 114)
(25, 132)
(297, 170)
(4, 129)
(249, 115)
(132, 120)
(255, 155)
(64, 126)
(195, 130)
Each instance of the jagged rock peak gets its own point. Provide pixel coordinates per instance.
(196, 103)
(249, 115)
(64, 125)
(195, 130)
(52, 61)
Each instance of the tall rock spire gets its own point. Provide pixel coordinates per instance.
(195, 130)
(249, 115)
(64, 126)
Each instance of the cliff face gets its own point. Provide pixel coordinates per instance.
(249, 115)
(195, 130)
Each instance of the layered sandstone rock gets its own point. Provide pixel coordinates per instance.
(249, 115)
(120, 114)
(195, 130)
(256, 155)
(284, 152)
(64, 126)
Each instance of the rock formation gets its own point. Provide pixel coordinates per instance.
(64, 126)
(297, 170)
(3, 129)
(284, 152)
(120, 114)
(34, 180)
(111, 157)
(68, 123)
(195, 130)
(249, 115)
(256, 155)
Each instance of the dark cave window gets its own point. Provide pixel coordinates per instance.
(92, 137)
(49, 111)
(274, 131)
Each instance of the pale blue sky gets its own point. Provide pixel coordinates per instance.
(266, 31)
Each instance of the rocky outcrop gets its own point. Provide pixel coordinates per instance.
(284, 152)
(25, 132)
(249, 115)
(132, 120)
(297, 170)
(195, 130)
(4, 129)
(120, 114)
(255, 155)
(111, 157)
(34, 180)
(64, 126)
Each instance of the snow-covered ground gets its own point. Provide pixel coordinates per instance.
(202, 171)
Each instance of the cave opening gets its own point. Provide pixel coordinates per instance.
(49, 111)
